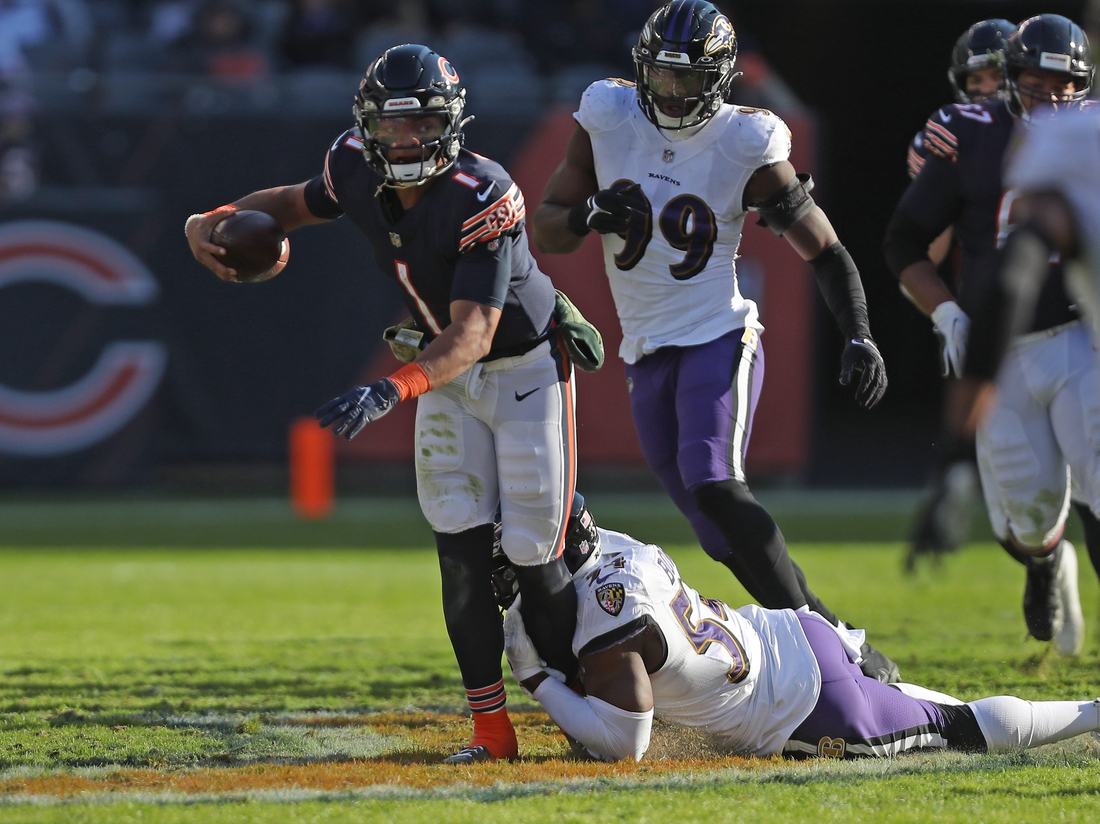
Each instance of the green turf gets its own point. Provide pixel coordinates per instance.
(174, 658)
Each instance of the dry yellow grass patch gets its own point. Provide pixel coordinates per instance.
(544, 757)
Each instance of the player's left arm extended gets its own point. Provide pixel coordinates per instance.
(615, 719)
(466, 340)
(782, 198)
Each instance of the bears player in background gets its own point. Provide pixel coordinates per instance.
(495, 415)
(1040, 433)
(667, 171)
(756, 681)
(1056, 171)
(976, 75)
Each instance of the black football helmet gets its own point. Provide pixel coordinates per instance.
(683, 63)
(982, 46)
(1048, 42)
(582, 541)
(405, 82)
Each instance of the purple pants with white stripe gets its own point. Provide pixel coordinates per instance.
(856, 715)
(693, 408)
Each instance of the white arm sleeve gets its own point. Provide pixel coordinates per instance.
(608, 732)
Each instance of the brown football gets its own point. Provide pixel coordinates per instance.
(253, 244)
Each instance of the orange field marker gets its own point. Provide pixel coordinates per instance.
(312, 469)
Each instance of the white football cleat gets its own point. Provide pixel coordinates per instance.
(1071, 636)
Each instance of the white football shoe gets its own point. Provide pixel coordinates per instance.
(1071, 636)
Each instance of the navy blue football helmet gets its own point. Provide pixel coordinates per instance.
(410, 83)
(982, 46)
(1048, 42)
(683, 63)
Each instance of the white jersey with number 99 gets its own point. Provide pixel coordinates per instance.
(672, 273)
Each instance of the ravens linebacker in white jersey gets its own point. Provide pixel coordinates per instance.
(495, 412)
(667, 172)
(756, 681)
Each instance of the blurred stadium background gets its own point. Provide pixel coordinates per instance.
(129, 372)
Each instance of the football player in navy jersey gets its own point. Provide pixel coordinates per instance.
(495, 414)
(1046, 409)
(976, 75)
(667, 171)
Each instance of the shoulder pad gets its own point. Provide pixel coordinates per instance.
(939, 134)
(1059, 153)
(755, 137)
(497, 209)
(918, 153)
(606, 104)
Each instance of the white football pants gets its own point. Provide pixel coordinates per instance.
(504, 433)
(1043, 435)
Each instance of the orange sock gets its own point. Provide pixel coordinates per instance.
(492, 727)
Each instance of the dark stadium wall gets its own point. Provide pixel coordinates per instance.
(871, 72)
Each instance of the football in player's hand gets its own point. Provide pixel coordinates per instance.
(254, 244)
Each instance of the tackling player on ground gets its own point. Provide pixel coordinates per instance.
(757, 681)
(495, 416)
(667, 172)
(1040, 424)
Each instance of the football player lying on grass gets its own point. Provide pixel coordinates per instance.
(757, 681)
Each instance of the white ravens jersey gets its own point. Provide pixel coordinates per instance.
(1062, 153)
(673, 275)
(746, 677)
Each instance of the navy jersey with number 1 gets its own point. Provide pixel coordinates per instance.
(463, 240)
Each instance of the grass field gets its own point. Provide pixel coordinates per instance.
(190, 662)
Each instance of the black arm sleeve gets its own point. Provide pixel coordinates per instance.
(932, 202)
(838, 279)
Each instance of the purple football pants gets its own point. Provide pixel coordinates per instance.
(693, 409)
(856, 715)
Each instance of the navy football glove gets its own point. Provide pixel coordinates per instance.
(357, 407)
(608, 212)
(861, 359)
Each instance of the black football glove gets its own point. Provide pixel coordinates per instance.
(861, 359)
(357, 407)
(608, 212)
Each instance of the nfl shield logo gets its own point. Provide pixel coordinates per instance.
(395, 239)
(668, 155)
(610, 598)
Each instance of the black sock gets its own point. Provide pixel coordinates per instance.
(759, 556)
(469, 605)
(549, 608)
(1092, 534)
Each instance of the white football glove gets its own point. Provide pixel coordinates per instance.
(523, 658)
(953, 327)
